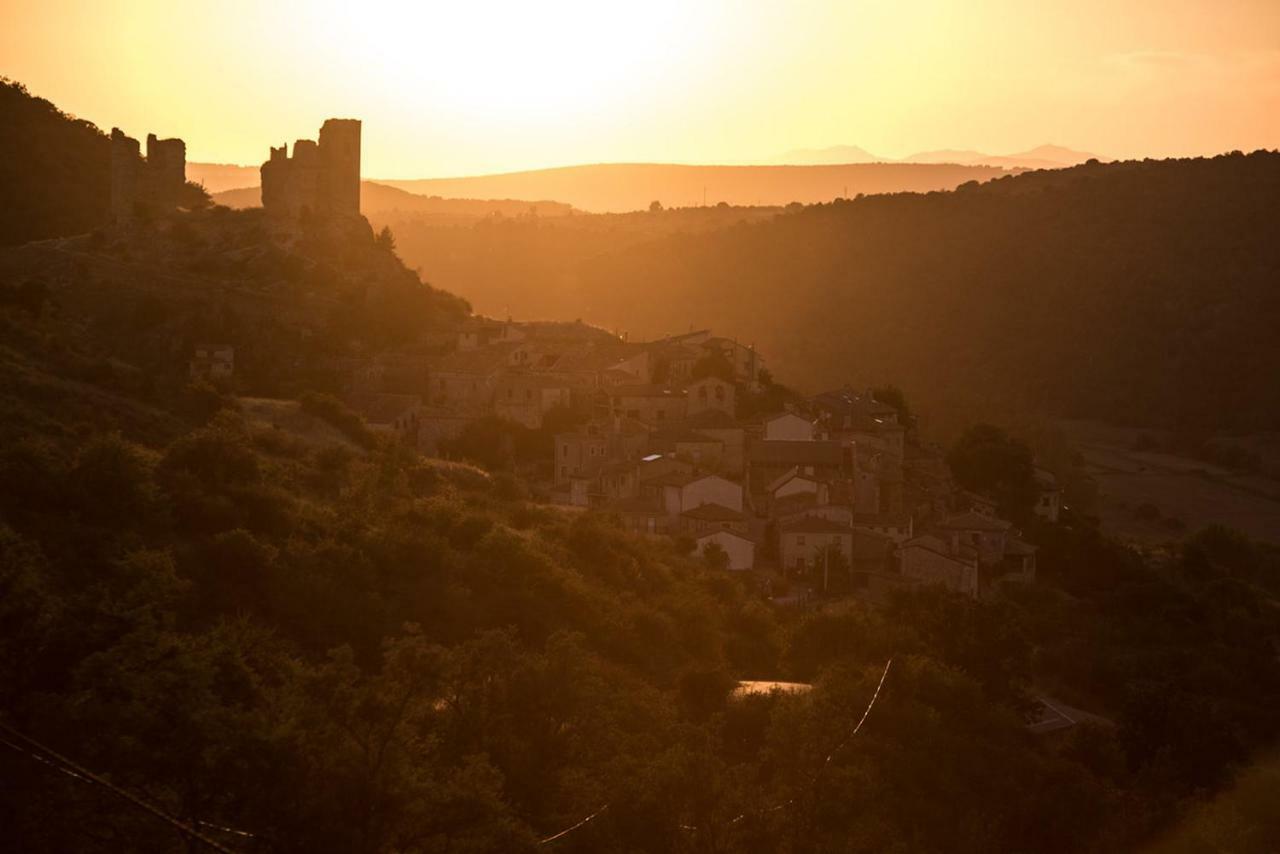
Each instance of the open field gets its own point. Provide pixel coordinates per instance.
(1192, 492)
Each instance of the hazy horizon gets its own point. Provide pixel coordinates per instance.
(449, 93)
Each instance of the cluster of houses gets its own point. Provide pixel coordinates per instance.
(828, 486)
(667, 435)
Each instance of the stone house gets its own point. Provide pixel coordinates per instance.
(468, 378)
(896, 526)
(709, 393)
(928, 559)
(212, 363)
(804, 543)
(392, 414)
(747, 364)
(643, 515)
(654, 405)
(988, 536)
(477, 332)
(527, 398)
(1048, 495)
(721, 426)
(585, 451)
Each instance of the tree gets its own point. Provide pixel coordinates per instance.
(655, 206)
(894, 396)
(715, 557)
(987, 460)
(385, 239)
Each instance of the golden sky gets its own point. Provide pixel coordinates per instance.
(467, 86)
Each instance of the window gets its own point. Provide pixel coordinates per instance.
(564, 450)
(800, 540)
(564, 471)
(720, 393)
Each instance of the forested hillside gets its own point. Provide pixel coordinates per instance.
(293, 636)
(55, 169)
(1138, 291)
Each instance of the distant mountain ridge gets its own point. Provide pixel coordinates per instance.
(1040, 157)
(621, 187)
(220, 177)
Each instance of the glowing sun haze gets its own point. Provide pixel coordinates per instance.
(463, 88)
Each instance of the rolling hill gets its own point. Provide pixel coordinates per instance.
(618, 187)
(381, 201)
(1141, 291)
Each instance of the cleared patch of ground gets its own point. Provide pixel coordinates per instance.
(1151, 497)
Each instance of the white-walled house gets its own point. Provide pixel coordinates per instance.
(788, 427)
(682, 492)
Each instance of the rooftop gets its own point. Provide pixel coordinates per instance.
(714, 513)
(780, 452)
(815, 525)
(971, 521)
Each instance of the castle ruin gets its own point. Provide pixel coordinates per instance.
(322, 178)
(156, 182)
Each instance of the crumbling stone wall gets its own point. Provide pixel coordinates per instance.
(322, 178)
(156, 182)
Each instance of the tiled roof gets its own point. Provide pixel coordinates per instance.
(641, 390)
(714, 513)
(846, 401)
(486, 360)
(710, 419)
(778, 452)
(815, 525)
(723, 532)
(1019, 547)
(974, 522)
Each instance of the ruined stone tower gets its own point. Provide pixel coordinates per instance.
(155, 183)
(126, 163)
(320, 179)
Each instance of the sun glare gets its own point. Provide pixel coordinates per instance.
(514, 60)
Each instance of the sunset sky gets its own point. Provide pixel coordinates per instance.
(464, 88)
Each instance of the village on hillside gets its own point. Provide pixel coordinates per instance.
(823, 494)
(687, 436)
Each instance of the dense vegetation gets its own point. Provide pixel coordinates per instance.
(1139, 291)
(55, 170)
(298, 632)
(292, 636)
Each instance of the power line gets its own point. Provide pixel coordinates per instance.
(57, 761)
(817, 774)
(571, 828)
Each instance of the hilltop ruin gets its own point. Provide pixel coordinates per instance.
(322, 178)
(156, 182)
